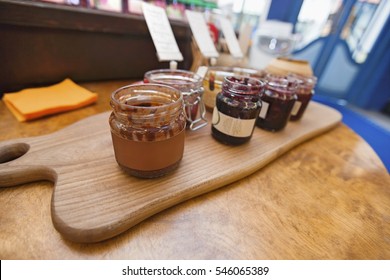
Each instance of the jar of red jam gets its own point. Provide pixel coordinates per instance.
(148, 129)
(305, 91)
(190, 85)
(277, 101)
(236, 109)
(214, 78)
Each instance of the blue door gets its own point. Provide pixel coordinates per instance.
(348, 45)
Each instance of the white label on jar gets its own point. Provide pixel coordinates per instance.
(264, 109)
(232, 126)
(295, 109)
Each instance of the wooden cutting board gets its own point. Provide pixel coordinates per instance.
(94, 200)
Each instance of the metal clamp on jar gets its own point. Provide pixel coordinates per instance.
(190, 85)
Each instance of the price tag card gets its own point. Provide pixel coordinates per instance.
(201, 33)
(230, 37)
(202, 71)
(245, 37)
(161, 32)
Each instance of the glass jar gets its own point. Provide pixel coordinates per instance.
(278, 101)
(148, 129)
(190, 85)
(304, 91)
(236, 109)
(215, 76)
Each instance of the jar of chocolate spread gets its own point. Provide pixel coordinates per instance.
(190, 85)
(148, 129)
(236, 109)
(305, 91)
(278, 101)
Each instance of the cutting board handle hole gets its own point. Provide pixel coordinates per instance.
(13, 151)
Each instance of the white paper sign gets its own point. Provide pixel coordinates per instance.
(245, 37)
(202, 71)
(230, 37)
(201, 33)
(161, 32)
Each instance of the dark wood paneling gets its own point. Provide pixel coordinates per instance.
(45, 43)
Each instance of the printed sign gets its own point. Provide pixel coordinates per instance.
(201, 34)
(161, 32)
(230, 37)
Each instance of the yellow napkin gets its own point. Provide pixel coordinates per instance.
(34, 103)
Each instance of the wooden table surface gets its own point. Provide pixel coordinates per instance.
(328, 198)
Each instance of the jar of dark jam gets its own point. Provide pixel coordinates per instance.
(148, 129)
(305, 91)
(236, 109)
(278, 101)
(190, 85)
(214, 78)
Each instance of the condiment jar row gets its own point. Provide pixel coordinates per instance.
(268, 103)
(149, 119)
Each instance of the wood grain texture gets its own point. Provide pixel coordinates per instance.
(93, 199)
(327, 198)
